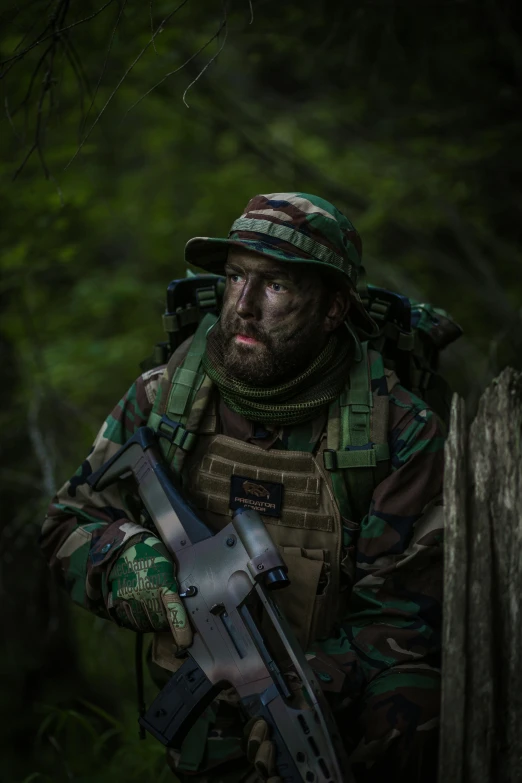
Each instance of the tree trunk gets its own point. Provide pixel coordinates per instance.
(481, 719)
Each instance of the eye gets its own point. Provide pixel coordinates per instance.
(279, 288)
(234, 277)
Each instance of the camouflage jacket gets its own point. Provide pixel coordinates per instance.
(395, 612)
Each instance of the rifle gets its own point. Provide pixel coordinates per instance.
(224, 580)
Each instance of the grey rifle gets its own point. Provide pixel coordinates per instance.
(225, 580)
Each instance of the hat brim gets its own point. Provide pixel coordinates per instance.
(210, 254)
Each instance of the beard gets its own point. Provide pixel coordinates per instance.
(271, 361)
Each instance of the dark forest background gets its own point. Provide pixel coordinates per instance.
(407, 115)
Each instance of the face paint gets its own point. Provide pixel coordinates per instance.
(273, 322)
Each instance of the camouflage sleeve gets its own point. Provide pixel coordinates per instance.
(84, 530)
(394, 616)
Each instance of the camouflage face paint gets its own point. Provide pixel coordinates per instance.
(273, 323)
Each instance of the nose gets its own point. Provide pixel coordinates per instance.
(247, 305)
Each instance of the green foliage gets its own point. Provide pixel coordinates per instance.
(408, 122)
(114, 750)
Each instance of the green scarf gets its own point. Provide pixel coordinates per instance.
(298, 400)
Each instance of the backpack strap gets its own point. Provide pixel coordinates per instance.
(176, 420)
(357, 454)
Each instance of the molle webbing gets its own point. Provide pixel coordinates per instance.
(307, 529)
(177, 421)
(357, 440)
(224, 457)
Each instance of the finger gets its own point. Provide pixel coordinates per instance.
(177, 618)
(265, 759)
(129, 614)
(258, 734)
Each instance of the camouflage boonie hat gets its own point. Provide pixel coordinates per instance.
(292, 227)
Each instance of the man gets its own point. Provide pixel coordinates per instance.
(280, 399)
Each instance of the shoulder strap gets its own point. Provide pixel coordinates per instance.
(357, 453)
(170, 418)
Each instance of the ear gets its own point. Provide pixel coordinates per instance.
(337, 310)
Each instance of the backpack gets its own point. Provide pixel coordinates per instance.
(411, 337)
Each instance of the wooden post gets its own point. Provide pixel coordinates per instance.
(455, 599)
(481, 718)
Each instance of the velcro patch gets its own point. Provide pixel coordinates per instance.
(263, 496)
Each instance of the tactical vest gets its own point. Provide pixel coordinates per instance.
(326, 486)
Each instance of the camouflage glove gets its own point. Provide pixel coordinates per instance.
(144, 592)
(260, 751)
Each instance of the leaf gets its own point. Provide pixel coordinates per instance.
(103, 714)
(103, 739)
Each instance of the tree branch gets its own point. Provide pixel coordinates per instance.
(212, 59)
(54, 33)
(176, 70)
(129, 69)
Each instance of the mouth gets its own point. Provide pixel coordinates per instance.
(243, 339)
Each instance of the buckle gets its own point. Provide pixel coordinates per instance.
(340, 460)
(330, 462)
(168, 429)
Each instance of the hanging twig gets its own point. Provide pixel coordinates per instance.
(22, 164)
(107, 53)
(31, 28)
(152, 27)
(53, 33)
(200, 74)
(46, 92)
(176, 70)
(9, 118)
(129, 69)
(25, 100)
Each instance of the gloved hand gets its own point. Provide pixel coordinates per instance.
(144, 591)
(261, 751)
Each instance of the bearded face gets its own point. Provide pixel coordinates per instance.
(276, 318)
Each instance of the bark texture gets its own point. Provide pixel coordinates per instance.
(481, 720)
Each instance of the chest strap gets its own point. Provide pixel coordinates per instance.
(356, 463)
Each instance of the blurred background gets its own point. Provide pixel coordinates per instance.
(129, 127)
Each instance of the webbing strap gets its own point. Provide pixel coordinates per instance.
(355, 427)
(356, 404)
(349, 444)
(186, 381)
(359, 457)
(189, 376)
(176, 433)
(332, 440)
